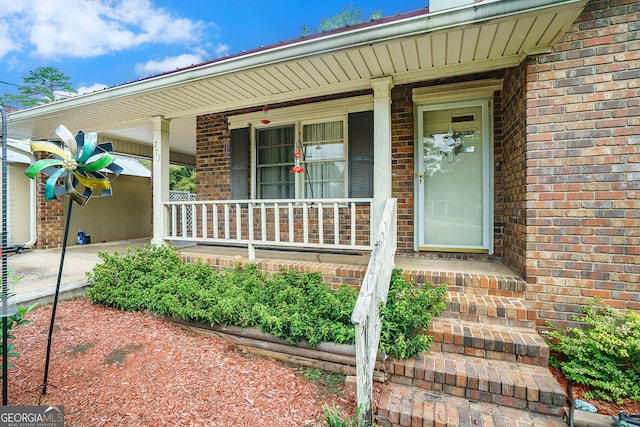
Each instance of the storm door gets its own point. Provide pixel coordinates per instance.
(454, 177)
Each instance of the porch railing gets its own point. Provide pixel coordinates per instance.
(366, 314)
(343, 224)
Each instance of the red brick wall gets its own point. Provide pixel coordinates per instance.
(583, 165)
(512, 164)
(213, 155)
(50, 219)
(402, 164)
(499, 219)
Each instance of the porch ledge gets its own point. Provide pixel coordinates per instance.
(338, 269)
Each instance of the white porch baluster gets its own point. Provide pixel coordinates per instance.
(320, 224)
(183, 223)
(291, 219)
(276, 216)
(204, 221)
(183, 220)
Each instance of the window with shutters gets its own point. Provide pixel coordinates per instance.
(337, 157)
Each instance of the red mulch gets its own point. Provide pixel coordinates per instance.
(115, 368)
(604, 407)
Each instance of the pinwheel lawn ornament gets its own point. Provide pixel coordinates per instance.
(76, 167)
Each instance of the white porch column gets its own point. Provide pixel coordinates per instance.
(160, 167)
(381, 146)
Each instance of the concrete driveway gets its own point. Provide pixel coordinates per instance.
(37, 270)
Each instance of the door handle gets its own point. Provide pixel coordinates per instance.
(420, 175)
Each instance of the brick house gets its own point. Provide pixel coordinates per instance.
(508, 132)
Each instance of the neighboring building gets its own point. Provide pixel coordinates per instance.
(102, 219)
(508, 131)
(21, 193)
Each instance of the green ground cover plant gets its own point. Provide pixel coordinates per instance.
(292, 306)
(13, 321)
(333, 417)
(604, 353)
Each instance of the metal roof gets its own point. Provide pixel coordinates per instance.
(410, 47)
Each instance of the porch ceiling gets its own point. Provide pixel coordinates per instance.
(411, 47)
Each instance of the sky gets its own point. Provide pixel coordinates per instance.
(103, 43)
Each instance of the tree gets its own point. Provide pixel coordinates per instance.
(41, 86)
(347, 17)
(182, 178)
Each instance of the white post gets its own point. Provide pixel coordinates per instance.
(160, 166)
(381, 147)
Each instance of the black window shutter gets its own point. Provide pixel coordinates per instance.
(240, 164)
(361, 154)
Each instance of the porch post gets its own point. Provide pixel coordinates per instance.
(381, 147)
(160, 173)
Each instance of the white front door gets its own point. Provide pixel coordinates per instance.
(454, 177)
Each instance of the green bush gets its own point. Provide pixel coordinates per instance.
(292, 306)
(13, 321)
(603, 354)
(407, 315)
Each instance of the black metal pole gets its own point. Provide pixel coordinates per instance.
(55, 299)
(5, 286)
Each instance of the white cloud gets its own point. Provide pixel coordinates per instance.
(6, 43)
(221, 50)
(93, 88)
(88, 28)
(171, 63)
(12, 19)
(167, 64)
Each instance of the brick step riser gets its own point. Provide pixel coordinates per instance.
(497, 343)
(483, 291)
(428, 409)
(490, 354)
(488, 319)
(525, 390)
(490, 393)
(471, 283)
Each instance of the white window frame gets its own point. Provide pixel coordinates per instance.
(254, 155)
(301, 179)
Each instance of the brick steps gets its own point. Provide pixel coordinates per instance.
(478, 283)
(498, 342)
(487, 367)
(516, 385)
(406, 406)
(492, 309)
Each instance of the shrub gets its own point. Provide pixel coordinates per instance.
(407, 316)
(13, 321)
(603, 354)
(292, 306)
